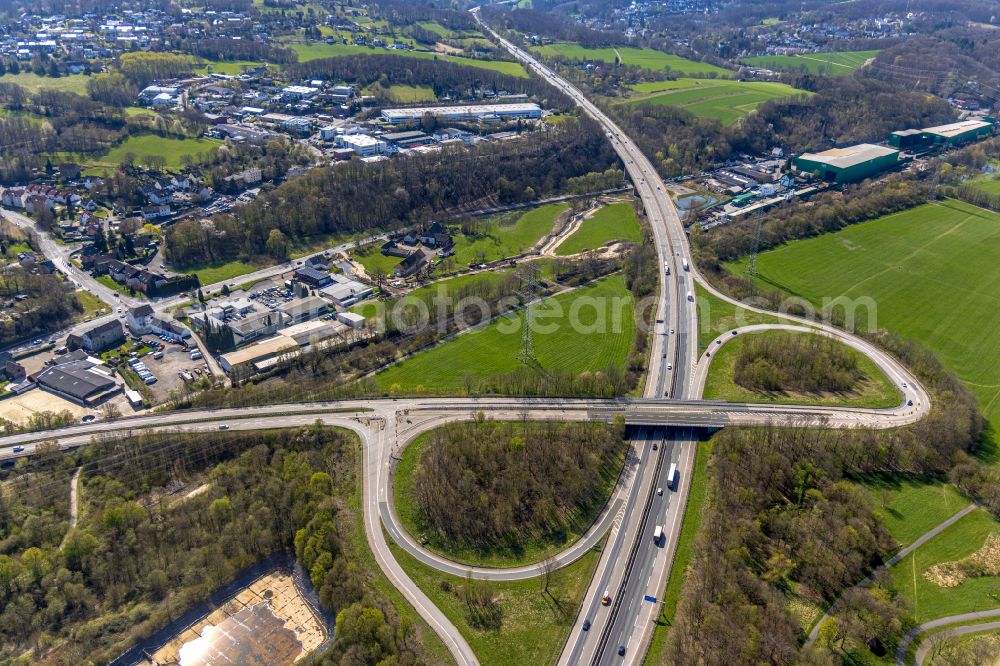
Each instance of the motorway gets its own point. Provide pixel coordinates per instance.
(669, 416)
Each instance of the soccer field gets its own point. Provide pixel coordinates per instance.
(931, 274)
(728, 101)
(645, 58)
(833, 63)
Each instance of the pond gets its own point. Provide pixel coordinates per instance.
(693, 202)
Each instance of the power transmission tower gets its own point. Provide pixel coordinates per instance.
(752, 263)
(529, 286)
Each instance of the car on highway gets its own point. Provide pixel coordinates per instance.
(909, 403)
(17, 449)
(606, 599)
(671, 331)
(586, 625)
(37, 341)
(659, 491)
(621, 650)
(735, 332)
(670, 366)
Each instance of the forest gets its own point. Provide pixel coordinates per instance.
(34, 304)
(795, 362)
(136, 560)
(537, 22)
(492, 485)
(782, 520)
(360, 197)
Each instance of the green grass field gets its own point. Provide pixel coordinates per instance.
(509, 237)
(375, 262)
(693, 514)
(141, 145)
(645, 58)
(727, 101)
(230, 67)
(74, 83)
(875, 390)
(716, 316)
(989, 183)
(401, 94)
(535, 623)
(930, 600)
(443, 288)
(833, 63)
(615, 221)
(600, 340)
(910, 506)
(930, 272)
(531, 551)
(212, 273)
(316, 50)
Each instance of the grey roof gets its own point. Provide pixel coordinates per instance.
(296, 308)
(253, 323)
(144, 310)
(106, 327)
(77, 379)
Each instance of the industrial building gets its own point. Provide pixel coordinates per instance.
(363, 145)
(845, 165)
(83, 380)
(474, 112)
(952, 134)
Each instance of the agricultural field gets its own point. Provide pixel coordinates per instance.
(726, 101)
(615, 221)
(833, 63)
(646, 58)
(491, 352)
(142, 145)
(74, 83)
(874, 390)
(928, 597)
(929, 274)
(507, 237)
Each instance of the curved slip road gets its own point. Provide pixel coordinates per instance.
(942, 622)
(925, 647)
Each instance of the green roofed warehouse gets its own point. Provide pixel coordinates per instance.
(845, 165)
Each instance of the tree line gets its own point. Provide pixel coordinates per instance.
(782, 519)
(359, 197)
(137, 558)
(445, 77)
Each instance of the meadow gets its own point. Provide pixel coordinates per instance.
(615, 221)
(628, 55)
(505, 238)
(930, 600)
(909, 506)
(492, 351)
(212, 273)
(832, 63)
(727, 101)
(989, 183)
(172, 149)
(74, 83)
(928, 273)
(874, 390)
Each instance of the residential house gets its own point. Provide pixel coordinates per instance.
(139, 319)
(413, 263)
(101, 337)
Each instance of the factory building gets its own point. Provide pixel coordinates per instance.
(473, 112)
(845, 165)
(952, 134)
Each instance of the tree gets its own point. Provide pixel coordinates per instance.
(277, 244)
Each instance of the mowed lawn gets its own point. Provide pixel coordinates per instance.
(646, 58)
(929, 274)
(508, 239)
(615, 221)
(727, 101)
(403, 94)
(832, 63)
(960, 540)
(307, 52)
(74, 83)
(989, 183)
(445, 289)
(603, 336)
(875, 390)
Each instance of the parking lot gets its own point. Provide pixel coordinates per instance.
(169, 369)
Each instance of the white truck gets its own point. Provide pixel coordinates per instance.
(672, 477)
(684, 263)
(657, 534)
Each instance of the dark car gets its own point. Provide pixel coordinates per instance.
(909, 403)
(586, 625)
(621, 650)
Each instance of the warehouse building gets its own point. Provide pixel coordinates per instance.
(957, 133)
(907, 139)
(363, 145)
(845, 165)
(473, 112)
(85, 381)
